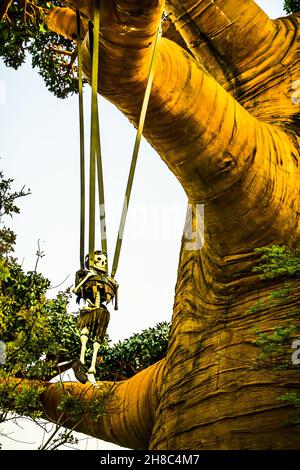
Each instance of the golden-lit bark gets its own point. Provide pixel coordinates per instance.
(62, 21)
(127, 407)
(224, 117)
(4, 6)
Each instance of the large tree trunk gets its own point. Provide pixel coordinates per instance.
(224, 117)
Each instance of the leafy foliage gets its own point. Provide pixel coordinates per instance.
(56, 68)
(38, 332)
(278, 261)
(23, 31)
(276, 347)
(8, 208)
(72, 406)
(291, 6)
(293, 399)
(130, 356)
(23, 400)
(58, 439)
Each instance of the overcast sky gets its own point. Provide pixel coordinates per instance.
(39, 147)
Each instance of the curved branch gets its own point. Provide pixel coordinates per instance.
(56, 21)
(218, 146)
(62, 21)
(208, 140)
(85, 7)
(233, 31)
(170, 32)
(128, 406)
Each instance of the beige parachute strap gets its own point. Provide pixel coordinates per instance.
(95, 148)
(95, 135)
(81, 133)
(135, 155)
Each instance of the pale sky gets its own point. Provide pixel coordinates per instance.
(39, 147)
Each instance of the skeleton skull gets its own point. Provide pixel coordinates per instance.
(100, 261)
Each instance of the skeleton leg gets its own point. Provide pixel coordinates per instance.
(79, 367)
(83, 339)
(92, 369)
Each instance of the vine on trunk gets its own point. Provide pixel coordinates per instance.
(276, 347)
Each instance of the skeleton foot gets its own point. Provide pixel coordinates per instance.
(92, 380)
(80, 372)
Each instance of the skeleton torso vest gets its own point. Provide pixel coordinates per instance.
(96, 289)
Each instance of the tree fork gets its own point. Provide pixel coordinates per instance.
(224, 120)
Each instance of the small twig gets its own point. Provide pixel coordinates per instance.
(61, 51)
(58, 285)
(39, 254)
(4, 7)
(58, 426)
(22, 193)
(68, 434)
(16, 440)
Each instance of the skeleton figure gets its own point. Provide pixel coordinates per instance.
(96, 288)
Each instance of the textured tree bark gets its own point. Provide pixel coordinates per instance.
(224, 117)
(127, 407)
(128, 412)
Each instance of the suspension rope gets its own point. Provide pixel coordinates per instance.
(100, 179)
(101, 191)
(135, 155)
(95, 150)
(82, 155)
(95, 147)
(94, 134)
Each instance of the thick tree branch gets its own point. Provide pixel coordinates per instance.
(224, 25)
(241, 158)
(248, 54)
(170, 32)
(128, 406)
(180, 89)
(222, 137)
(62, 21)
(85, 7)
(207, 139)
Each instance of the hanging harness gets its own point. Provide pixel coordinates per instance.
(96, 162)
